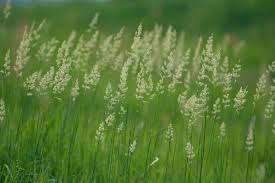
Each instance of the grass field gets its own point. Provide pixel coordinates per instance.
(153, 106)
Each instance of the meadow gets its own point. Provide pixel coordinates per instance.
(150, 108)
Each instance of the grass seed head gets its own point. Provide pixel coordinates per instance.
(99, 135)
(62, 78)
(132, 148)
(22, 53)
(269, 108)
(7, 64)
(2, 110)
(46, 82)
(120, 127)
(110, 119)
(7, 9)
(31, 82)
(75, 90)
(216, 109)
(260, 88)
(222, 130)
(189, 152)
(240, 99)
(170, 133)
(250, 139)
(261, 172)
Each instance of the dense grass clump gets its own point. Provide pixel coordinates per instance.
(97, 108)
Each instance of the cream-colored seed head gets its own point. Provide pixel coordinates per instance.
(75, 90)
(100, 132)
(31, 82)
(110, 119)
(141, 84)
(189, 152)
(182, 98)
(170, 133)
(222, 130)
(145, 84)
(236, 71)
(260, 88)
(7, 64)
(93, 23)
(29, 40)
(273, 129)
(123, 85)
(202, 101)
(22, 52)
(261, 172)
(46, 82)
(136, 49)
(216, 109)
(61, 79)
(160, 86)
(65, 49)
(120, 127)
(226, 90)
(7, 9)
(269, 109)
(92, 79)
(240, 99)
(2, 110)
(108, 92)
(132, 147)
(122, 111)
(47, 50)
(250, 139)
(169, 42)
(271, 67)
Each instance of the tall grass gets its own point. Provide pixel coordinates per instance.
(97, 108)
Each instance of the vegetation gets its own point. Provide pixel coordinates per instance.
(100, 108)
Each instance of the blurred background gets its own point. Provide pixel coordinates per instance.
(249, 23)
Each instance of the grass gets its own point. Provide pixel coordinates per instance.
(164, 119)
